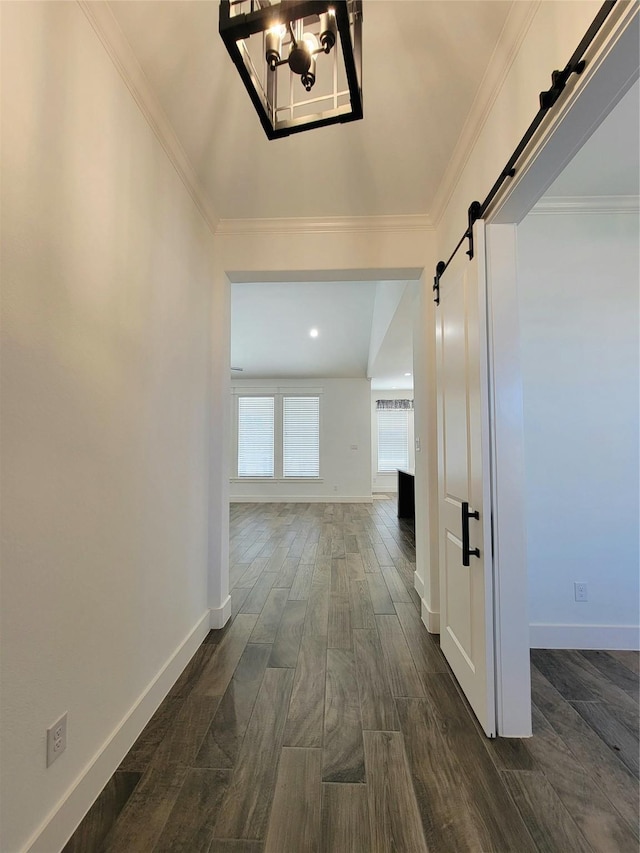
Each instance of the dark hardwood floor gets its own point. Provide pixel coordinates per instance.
(324, 719)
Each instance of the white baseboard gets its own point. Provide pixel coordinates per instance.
(550, 636)
(60, 824)
(219, 616)
(418, 584)
(300, 499)
(430, 618)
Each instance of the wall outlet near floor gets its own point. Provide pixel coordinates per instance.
(580, 591)
(56, 739)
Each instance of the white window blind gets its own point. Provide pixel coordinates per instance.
(301, 437)
(393, 439)
(255, 436)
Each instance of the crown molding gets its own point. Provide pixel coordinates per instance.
(556, 205)
(328, 225)
(513, 33)
(121, 54)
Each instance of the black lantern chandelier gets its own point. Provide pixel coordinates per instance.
(300, 60)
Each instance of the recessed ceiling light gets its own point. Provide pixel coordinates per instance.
(313, 333)
(407, 374)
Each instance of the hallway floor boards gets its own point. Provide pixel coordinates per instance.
(324, 719)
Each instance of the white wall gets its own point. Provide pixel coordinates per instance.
(388, 482)
(106, 278)
(551, 37)
(388, 297)
(578, 301)
(345, 444)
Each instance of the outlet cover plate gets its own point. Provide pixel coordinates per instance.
(56, 739)
(580, 590)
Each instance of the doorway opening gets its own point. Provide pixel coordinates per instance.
(339, 346)
(578, 274)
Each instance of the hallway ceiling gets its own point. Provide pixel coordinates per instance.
(423, 64)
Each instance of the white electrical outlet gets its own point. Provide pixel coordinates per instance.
(56, 739)
(580, 591)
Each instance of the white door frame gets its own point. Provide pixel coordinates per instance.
(612, 68)
(510, 582)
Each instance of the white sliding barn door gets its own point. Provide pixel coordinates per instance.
(466, 591)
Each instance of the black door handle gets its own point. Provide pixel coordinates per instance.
(466, 551)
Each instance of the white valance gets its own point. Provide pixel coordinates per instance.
(394, 404)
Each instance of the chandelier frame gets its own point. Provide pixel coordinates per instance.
(262, 17)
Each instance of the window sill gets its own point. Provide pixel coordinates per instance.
(276, 479)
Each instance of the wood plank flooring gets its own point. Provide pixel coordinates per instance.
(324, 719)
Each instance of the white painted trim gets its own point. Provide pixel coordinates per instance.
(321, 274)
(550, 636)
(483, 478)
(513, 33)
(121, 54)
(219, 616)
(430, 618)
(418, 584)
(328, 225)
(300, 499)
(61, 822)
(551, 205)
(513, 681)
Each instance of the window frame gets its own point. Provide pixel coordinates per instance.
(278, 394)
(406, 465)
(256, 477)
(284, 399)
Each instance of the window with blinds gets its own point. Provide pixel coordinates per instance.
(256, 436)
(393, 439)
(301, 436)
